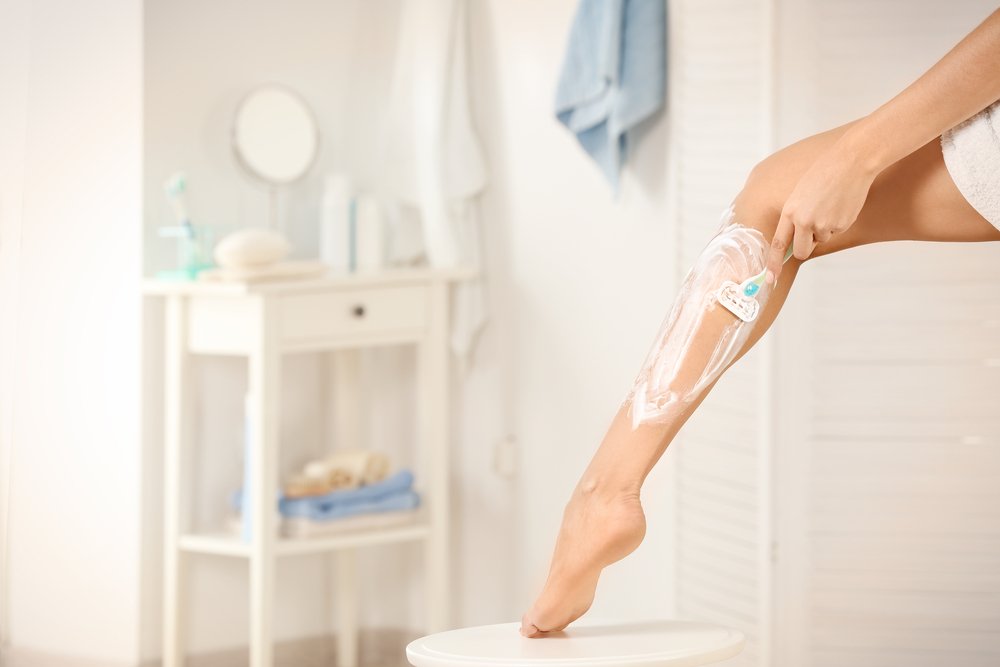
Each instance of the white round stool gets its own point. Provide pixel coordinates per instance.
(585, 643)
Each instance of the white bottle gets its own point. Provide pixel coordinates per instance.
(370, 250)
(335, 223)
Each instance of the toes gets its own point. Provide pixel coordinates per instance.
(529, 630)
(539, 620)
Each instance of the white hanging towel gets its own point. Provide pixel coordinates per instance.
(432, 159)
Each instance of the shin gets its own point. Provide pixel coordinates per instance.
(699, 338)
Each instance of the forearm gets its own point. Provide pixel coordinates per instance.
(965, 81)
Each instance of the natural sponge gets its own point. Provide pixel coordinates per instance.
(251, 248)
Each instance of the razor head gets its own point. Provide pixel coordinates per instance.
(732, 298)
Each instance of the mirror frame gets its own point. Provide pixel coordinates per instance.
(234, 143)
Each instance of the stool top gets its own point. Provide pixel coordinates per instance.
(585, 643)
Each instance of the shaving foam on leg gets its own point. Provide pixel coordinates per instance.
(699, 338)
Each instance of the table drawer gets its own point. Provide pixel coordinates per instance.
(304, 317)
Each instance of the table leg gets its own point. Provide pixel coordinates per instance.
(433, 421)
(264, 387)
(176, 395)
(348, 600)
(343, 429)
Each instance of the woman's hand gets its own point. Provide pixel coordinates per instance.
(830, 194)
(826, 201)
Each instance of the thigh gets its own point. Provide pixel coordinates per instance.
(913, 199)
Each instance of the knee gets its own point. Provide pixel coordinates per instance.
(758, 204)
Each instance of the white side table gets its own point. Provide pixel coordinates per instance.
(262, 322)
(587, 642)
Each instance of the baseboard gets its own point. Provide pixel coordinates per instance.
(26, 657)
(378, 647)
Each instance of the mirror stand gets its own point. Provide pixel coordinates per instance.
(276, 141)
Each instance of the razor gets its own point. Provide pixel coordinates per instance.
(740, 299)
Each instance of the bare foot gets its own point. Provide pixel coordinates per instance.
(597, 530)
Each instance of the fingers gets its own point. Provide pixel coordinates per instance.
(802, 237)
(822, 235)
(804, 243)
(779, 244)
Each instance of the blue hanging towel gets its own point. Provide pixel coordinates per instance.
(613, 75)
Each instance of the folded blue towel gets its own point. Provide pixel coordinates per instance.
(401, 482)
(613, 75)
(399, 500)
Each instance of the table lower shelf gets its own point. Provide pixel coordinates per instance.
(227, 544)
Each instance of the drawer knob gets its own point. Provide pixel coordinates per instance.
(358, 311)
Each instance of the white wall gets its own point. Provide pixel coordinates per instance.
(582, 284)
(550, 368)
(14, 35)
(71, 222)
(724, 102)
(578, 285)
(200, 59)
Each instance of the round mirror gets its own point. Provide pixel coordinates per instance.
(275, 135)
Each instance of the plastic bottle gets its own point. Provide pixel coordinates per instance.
(335, 226)
(369, 230)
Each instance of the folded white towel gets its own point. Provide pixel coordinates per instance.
(349, 468)
(971, 152)
(296, 527)
(298, 269)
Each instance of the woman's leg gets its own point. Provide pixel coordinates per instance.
(915, 199)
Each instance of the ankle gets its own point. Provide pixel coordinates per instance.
(608, 487)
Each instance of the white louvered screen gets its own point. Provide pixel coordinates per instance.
(889, 489)
(716, 94)
(899, 554)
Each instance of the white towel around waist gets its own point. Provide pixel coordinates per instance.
(971, 153)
